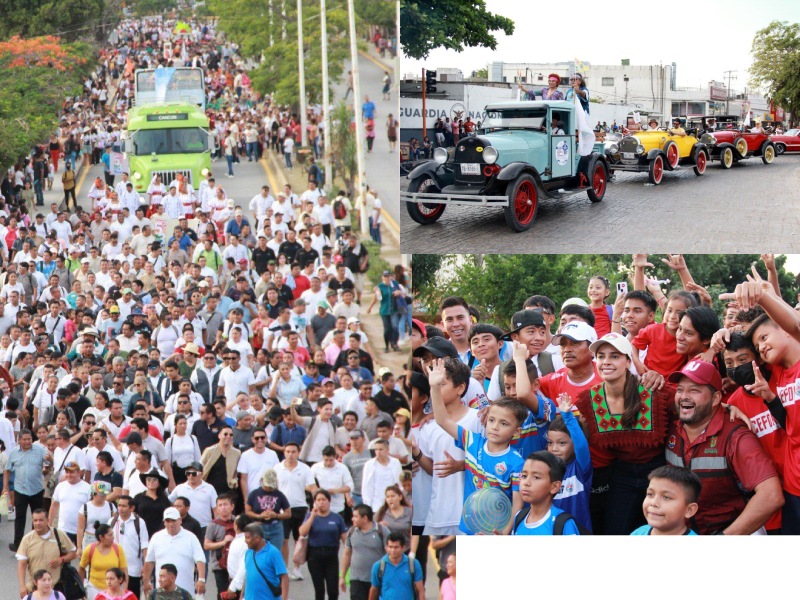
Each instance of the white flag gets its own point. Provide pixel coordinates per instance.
(586, 137)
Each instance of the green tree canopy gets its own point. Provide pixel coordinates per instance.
(498, 285)
(454, 24)
(377, 12)
(70, 19)
(776, 64)
(247, 22)
(35, 76)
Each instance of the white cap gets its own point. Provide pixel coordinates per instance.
(577, 331)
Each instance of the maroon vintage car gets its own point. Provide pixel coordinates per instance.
(787, 142)
(728, 144)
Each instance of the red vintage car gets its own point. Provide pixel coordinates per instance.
(728, 143)
(787, 142)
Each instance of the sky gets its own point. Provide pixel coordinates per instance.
(705, 38)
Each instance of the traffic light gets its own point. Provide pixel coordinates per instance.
(430, 82)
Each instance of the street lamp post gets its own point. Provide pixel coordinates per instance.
(326, 114)
(361, 175)
(302, 75)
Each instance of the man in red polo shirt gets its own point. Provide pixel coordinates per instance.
(726, 455)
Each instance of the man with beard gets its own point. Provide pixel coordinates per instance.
(725, 454)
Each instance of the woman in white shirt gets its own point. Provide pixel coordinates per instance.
(182, 449)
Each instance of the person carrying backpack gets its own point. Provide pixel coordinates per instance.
(395, 576)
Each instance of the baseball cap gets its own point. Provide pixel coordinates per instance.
(522, 319)
(171, 514)
(577, 331)
(324, 305)
(414, 323)
(439, 347)
(403, 412)
(85, 261)
(700, 372)
(101, 487)
(325, 380)
(153, 364)
(136, 311)
(352, 320)
(419, 381)
(114, 309)
(71, 466)
(386, 273)
(578, 301)
(619, 341)
(356, 433)
(127, 291)
(196, 466)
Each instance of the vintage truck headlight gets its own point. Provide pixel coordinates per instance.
(490, 155)
(613, 148)
(639, 149)
(440, 155)
(709, 139)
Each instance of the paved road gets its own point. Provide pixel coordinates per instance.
(382, 165)
(751, 208)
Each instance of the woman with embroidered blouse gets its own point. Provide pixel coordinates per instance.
(628, 429)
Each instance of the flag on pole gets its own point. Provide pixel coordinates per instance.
(585, 132)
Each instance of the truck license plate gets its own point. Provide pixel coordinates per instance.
(470, 169)
(628, 155)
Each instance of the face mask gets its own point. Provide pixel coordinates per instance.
(744, 375)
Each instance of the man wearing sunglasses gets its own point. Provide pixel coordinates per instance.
(201, 495)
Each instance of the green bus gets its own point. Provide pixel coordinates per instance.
(168, 139)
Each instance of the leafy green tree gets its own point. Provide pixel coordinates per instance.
(343, 138)
(247, 22)
(776, 63)
(454, 24)
(498, 285)
(35, 76)
(70, 19)
(377, 12)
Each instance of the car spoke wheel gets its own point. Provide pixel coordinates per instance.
(523, 203)
(700, 162)
(656, 170)
(421, 212)
(599, 182)
(726, 158)
(769, 154)
(673, 156)
(741, 146)
(780, 148)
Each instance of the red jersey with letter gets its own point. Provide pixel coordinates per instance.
(784, 383)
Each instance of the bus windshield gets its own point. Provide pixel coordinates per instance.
(191, 140)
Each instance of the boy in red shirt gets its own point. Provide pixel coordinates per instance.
(659, 338)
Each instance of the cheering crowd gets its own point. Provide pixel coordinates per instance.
(192, 396)
(651, 415)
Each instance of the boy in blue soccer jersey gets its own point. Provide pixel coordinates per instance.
(670, 502)
(567, 440)
(520, 382)
(539, 482)
(489, 458)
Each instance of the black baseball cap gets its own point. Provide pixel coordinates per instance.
(522, 319)
(419, 381)
(439, 347)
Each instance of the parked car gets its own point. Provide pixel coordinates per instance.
(730, 144)
(655, 151)
(522, 152)
(787, 142)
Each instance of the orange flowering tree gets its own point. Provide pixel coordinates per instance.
(36, 76)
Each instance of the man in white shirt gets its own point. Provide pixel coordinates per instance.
(379, 473)
(201, 494)
(254, 462)
(67, 452)
(130, 532)
(68, 497)
(261, 203)
(294, 480)
(334, 477)
(100, 439)
(177, 546)
(235, 378)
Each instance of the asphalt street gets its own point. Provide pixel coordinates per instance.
(753, 207)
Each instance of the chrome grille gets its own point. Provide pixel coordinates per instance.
(466, 152)
(168, 176)
(628, 144)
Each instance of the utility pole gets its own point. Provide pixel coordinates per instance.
(302, 73)
(730, 75)
(424, 108)
(361, 175)
(326, 114)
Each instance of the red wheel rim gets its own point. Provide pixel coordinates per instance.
(658, 169)
(429, 210)
(525, 202)
(701, 161)
(672, 155)
(599, 180)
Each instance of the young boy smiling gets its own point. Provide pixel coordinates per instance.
(671, 500)
(490, 460)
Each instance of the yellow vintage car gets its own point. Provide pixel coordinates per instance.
(655, 151)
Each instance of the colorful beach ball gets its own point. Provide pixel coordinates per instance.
(487, 509)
